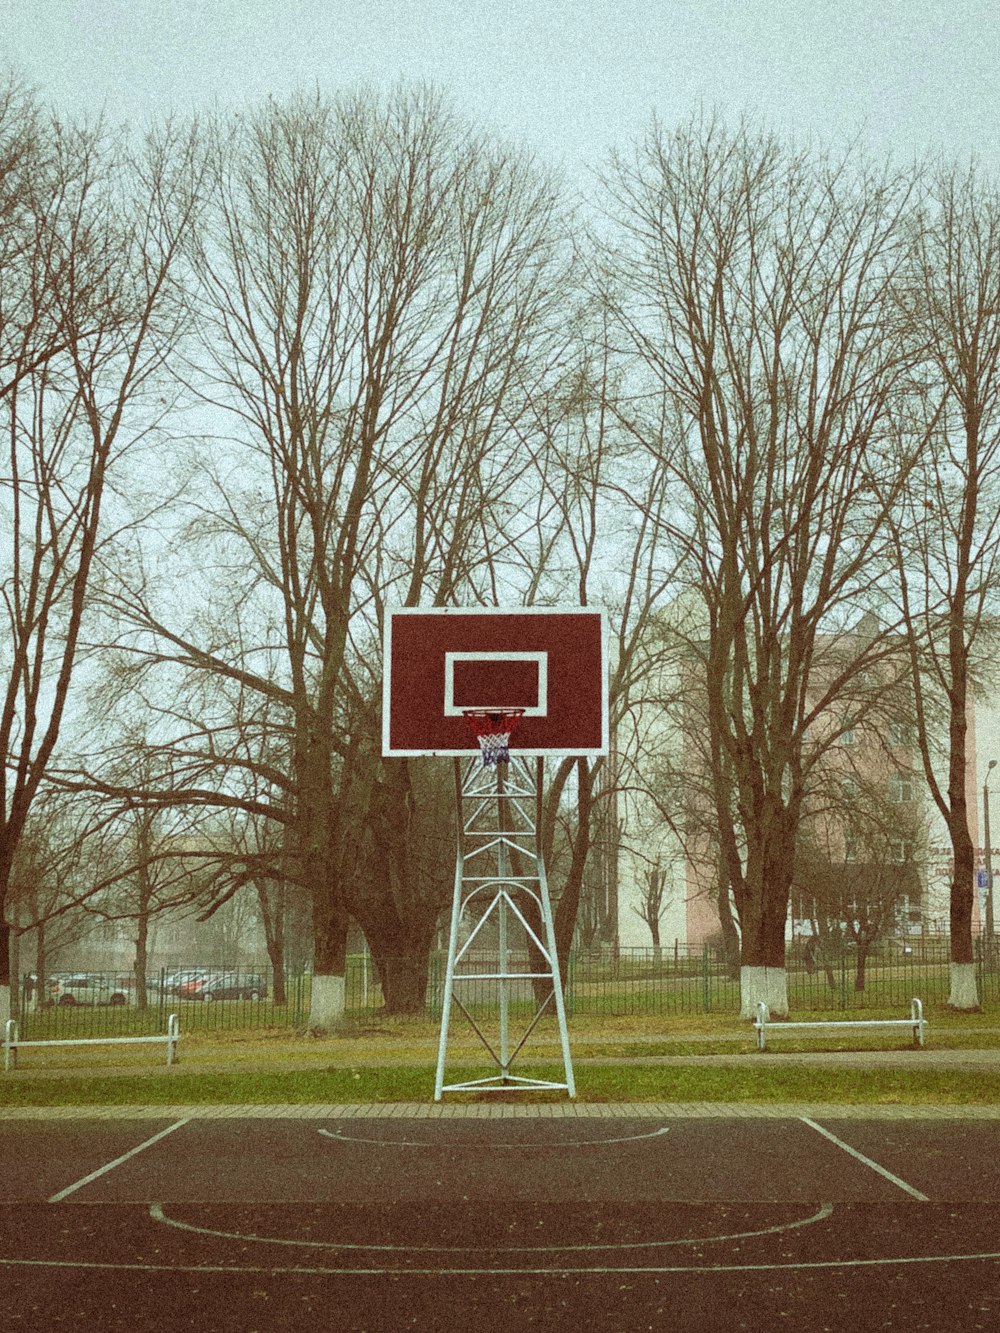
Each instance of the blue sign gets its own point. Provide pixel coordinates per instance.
(982, 879)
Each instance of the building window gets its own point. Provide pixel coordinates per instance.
(847, 736)
(899, 850)
(901, 789)
(850, 847)
(900, 733)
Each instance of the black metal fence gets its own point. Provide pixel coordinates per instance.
(691, 981)
(607, 983)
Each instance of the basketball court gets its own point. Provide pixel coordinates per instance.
(539, 1217)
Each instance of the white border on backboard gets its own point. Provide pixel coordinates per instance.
(588, 753)
(536, 710)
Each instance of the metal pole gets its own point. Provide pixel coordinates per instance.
(503, 870)
(550, 935)
(988, 849)
(456, 912)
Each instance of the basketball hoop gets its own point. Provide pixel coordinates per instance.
(493, 729)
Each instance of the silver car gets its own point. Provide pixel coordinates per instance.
(90, 988)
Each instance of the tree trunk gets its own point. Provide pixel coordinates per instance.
(400, 950)
(17, 991)
(730, 934)
(276, 953)
(762, 968)
(5, 1009)
(763, 984)
(329, 978)
(964, 992)
(316, 835)
(395, 903)
(764, 912)
(273, 917)
(41, 964)
(861, 967)
(140, 967)
(565, 911)
(404, 979)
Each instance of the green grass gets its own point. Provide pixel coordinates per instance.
(377, 1058)
(595, 1083)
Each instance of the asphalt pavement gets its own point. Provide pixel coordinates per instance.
(500, 1217)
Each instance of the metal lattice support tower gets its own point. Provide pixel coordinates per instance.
(500, 880)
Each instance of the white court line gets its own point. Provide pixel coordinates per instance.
(302, 1270)
(866, 1161)
(452, 1144)
(110, 1166)
(157, 1213)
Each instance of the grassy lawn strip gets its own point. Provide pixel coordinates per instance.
(595, 1083)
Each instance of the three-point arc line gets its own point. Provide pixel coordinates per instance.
(423, 1143)
(157, 1213)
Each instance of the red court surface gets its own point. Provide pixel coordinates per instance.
(373, 1223)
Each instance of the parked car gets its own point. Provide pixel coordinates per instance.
(226, 986)
(90, 988)
(175, 983)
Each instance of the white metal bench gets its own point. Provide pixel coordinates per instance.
(12, 1042)
(916, 1021)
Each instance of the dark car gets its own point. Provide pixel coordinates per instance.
(225, 986)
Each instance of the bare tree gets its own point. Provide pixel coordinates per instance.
(50, 871)
(948, 529)
(96, 234)
(590, 538)
(651, 905)
(33, 323)
(860, 846)
(757, 290)
(376, 294)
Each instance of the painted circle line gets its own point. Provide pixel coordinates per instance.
(423, 1143)
(157, 1213)
(705, 1270)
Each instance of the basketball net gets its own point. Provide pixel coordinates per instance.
(493, 729)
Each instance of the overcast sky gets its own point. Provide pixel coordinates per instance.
(565, 78)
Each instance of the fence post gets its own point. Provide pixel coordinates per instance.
(433, 985)
(706, 987)
(569, 981)
(843, 977)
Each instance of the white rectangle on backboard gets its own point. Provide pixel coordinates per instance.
(541, 660)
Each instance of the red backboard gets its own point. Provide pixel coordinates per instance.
(550, 661)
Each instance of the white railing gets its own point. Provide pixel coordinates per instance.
(12, 1042)
(916, 1021)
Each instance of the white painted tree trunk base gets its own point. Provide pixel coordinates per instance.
(964, 992)
(769, 984)
(326, 1008)
(4, 1008)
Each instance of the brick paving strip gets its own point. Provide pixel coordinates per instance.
(487, 1111)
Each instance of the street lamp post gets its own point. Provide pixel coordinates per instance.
(989, 862)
